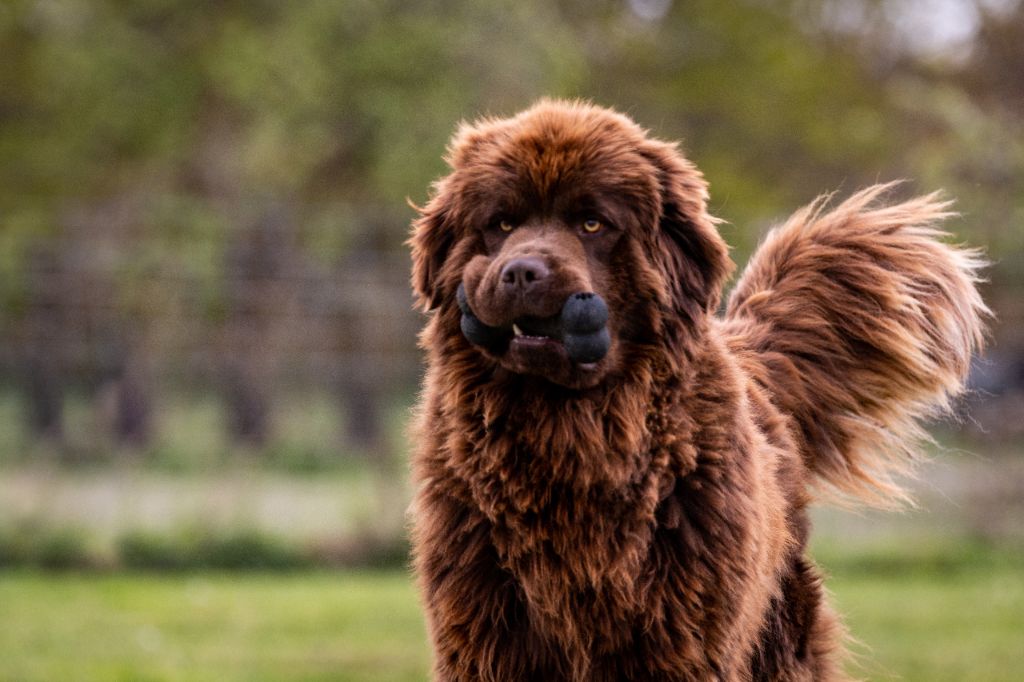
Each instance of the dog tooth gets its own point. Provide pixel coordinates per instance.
(516, 330)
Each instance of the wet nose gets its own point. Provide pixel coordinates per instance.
(524, 274)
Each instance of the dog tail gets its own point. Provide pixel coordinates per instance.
(860, 322)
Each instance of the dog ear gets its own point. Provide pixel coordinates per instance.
(432, 237)
(433, 233)
(691, 254)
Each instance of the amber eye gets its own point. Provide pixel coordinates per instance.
(506, 226)
(591, 225)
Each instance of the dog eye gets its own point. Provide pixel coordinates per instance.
(506, 226)
(592, 225)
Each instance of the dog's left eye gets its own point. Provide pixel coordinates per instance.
(592, 225)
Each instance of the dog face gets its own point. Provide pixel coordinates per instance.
(567, 236)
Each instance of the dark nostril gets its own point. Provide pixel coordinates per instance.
(523, 272)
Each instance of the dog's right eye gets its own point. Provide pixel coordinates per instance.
(505, 226)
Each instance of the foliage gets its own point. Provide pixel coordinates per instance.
(191, 548)
(30, 545)
(189, 189)
(343, 107)
(195, 549)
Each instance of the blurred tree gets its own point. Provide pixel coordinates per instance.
(41, 360)
(772, 115)
(146, 139)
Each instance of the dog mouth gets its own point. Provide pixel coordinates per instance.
(578, 333)
(536, 343)
(532, 329)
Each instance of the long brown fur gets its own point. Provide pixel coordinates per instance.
(862, 322)
(645, 519)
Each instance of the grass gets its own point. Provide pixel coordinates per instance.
(312, 626)
(920, 620)
(936, 628)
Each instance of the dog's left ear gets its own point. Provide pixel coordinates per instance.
(431, 239)
(692, 255)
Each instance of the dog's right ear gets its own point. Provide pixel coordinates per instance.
(432, 237)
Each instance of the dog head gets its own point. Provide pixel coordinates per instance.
(565, 236)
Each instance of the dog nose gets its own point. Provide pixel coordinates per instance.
(524, 273)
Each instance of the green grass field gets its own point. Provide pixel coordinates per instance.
(935, 627)
(960, 621)
(217, 627)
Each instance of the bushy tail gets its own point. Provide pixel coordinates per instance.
(860, 322)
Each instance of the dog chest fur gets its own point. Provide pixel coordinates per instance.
(608, 534)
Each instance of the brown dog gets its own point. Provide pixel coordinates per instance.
(611, 481)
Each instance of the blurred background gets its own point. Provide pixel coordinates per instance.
(207, 340)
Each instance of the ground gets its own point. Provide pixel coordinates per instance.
(958, 618)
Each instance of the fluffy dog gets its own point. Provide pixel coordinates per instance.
(612, 481)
